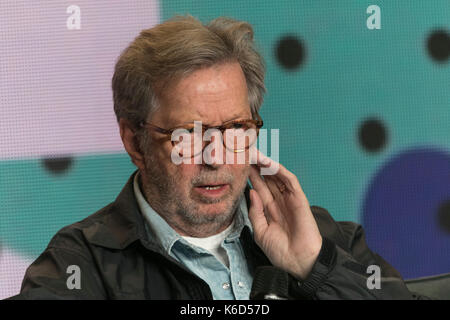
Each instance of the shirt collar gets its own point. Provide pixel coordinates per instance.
(241, 220)
(167, 236)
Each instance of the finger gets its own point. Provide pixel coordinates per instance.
(262, 160)
(260, 186)
(286, 213)
(289, 201)
(276, 187)
(259, 158)
(271, 207)
(256, 215)
(278, 205)
(286, 178)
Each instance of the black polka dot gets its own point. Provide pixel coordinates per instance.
(57, 165)
(438, 45)
(290, 52)
(444, 216)
(372, 135)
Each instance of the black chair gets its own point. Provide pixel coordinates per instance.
(435, 287)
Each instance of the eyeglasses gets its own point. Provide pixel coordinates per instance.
(237, 135)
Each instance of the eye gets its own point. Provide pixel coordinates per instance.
(238, 125)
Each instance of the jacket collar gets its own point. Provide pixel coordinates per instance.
(118, 224)
(121, 223)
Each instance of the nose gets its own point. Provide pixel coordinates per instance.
(213, 153)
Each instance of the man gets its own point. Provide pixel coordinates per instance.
(194, 229)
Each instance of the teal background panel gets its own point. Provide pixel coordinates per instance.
(349, 74)
(36, 202)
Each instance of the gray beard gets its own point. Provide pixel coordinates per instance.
(183, 216)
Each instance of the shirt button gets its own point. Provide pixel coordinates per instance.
(240, 284)
(226, 285)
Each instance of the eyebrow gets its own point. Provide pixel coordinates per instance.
(192, 121)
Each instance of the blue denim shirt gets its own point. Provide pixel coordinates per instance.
(226, 283)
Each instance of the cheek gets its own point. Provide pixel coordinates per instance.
(183, 173)
(240, 167)
(240, 171)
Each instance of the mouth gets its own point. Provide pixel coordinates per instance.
(213, 190)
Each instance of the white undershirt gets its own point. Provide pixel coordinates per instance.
(213, 244)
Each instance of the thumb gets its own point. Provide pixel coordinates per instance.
(256, 214)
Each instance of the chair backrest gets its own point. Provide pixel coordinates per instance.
(436, 287)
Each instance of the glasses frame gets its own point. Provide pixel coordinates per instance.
(224, 126)
(168, 132)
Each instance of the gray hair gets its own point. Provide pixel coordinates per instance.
(176, 48)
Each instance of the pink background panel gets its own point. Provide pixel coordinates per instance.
(55, 83)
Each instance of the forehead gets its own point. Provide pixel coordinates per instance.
(211, 95)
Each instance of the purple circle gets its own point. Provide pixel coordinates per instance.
(400, 212)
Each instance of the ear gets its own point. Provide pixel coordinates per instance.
(131, 144)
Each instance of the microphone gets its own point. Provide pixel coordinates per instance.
(270, 283)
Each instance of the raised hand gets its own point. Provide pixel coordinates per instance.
(284, 227)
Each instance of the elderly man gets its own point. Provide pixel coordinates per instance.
(195, 229)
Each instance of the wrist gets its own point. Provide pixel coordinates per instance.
(307, 265)
(325, 262)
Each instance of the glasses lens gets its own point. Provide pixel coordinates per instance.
(240, 136)
(237, 137)
(187, 142)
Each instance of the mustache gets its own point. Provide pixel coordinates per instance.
(206, 178)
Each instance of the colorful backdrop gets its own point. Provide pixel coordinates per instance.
(364, 115)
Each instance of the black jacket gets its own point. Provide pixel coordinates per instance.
(118, 260)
